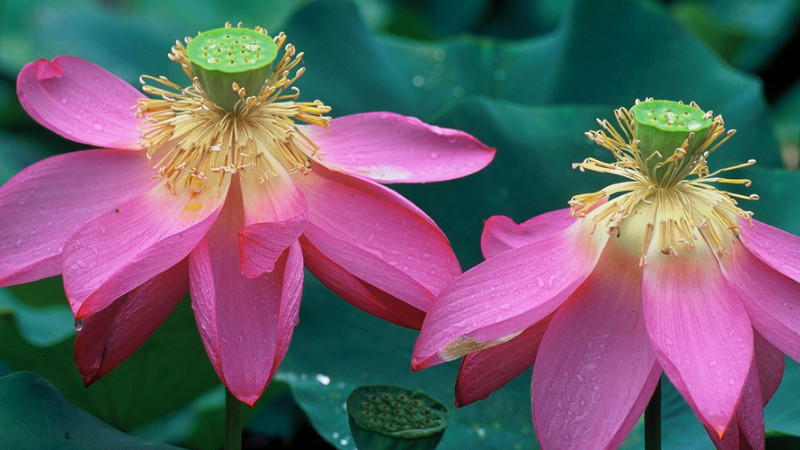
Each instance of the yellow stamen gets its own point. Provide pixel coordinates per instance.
(194, 142)
(673, 200)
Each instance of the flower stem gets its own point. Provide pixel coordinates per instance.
(652, 421)
(233, 422)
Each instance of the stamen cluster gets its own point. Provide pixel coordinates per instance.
(671, 189)
(195, 142)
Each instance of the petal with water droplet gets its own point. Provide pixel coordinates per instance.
(81, 101)
(390, 148)
(246, 323)
(377, 236)
(46, 202)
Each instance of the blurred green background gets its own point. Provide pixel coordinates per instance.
(526, 77)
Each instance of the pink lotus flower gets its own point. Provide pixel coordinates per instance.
(227, 202)
(670, 275)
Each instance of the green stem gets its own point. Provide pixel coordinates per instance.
(233, 422)
(652, 421)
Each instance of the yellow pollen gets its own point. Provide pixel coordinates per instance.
(670, 202)
(194, 143)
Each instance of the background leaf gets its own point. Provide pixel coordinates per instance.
(41, 417)
(526, 77)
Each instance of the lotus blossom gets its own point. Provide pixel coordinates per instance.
(226, 188)
(661, 272)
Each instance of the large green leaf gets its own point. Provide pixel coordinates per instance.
(168, 372)
(36, 415)
(596, 56)
(530, 98)
(746, 33)
(779, 192)
(337, 348)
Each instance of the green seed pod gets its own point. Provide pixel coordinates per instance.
(226, 60)
(665, 127)
(393, 418)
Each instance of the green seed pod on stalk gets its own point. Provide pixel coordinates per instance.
(393, 418)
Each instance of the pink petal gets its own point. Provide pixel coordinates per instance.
(81, 101)
(275, 215)
(750, 412)
(358, 292)
(111, 335)
(246, 323)
(770, 364)
(45, 203)
(733, 439)
(501, 233)
(486, 371)
(289, 313)
(777, 248)
(501, 297)
(700, 331)
(747, 431)
(372, 233)
(772, 300)
(124, 247)
(596, 370)
(390, 148)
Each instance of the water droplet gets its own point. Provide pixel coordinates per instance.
(323, 379)
(78, 324)
(418, 81)
(434, 155)
(499, 74)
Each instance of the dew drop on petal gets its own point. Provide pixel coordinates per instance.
(78, 324)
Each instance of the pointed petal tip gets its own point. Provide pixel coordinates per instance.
(248, 398)
(90, 375)
(419, 362)
(80, 101)
(46, 69)
(720, 430)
